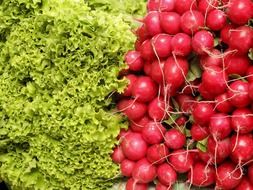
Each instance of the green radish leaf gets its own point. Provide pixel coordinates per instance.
(188, 133)
(171, 119)
(195, 70)
(202, 145)
(180, 186)
(216, 42)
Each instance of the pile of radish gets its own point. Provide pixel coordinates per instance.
(189, 100)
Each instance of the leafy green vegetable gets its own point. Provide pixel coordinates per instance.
(59, 61)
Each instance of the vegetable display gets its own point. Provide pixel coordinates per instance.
(59, 61)
(189, 100)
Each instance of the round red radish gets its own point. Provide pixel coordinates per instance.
(138, 125)
(132, 185)
(161, 45)
(215, 80)
(236, 64)
(175, 71)
(174, 139)
(153, 5)
(222, 103)
(245, 184)
(202, 175)
(242, 120)
(147, 68)
(144, 171)
(181, 160)
(144, 89)
(198, 132)
(157, 153)
(251, 90)
(205, 6)
(117, 155)
(225, 33)
(134, 61)
(185, 102)
(191, 21)
(220, 126)
(205, 92)
(228, 177)
(240, 11)
(167, 5)
(142, 33)
(241, 34)
(134, 147)
(238, 94)
(250, 173)
(123, 133)
(132, 109)
(214, 59)
(249, 74)
(160, 186)
(202, 42)
(132, 79)
(202, 113)
(242, 148)
(219, 17)
(181, 44)
(181, 6)
(126, 167)
(166, 174)
(157, 109)
(170, 22)
(152, 23)
(219, 149)
(181, 121)
(156, 72)
(147, 51)
(153, 133)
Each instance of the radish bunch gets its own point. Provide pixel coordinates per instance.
(189, 100)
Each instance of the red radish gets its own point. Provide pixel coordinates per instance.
(126, 167)
(191, 21)
(214, 59)
(249, 74)
(251, 90)
(157, 153)
(236, 64)
(170, 22)
(123, 133)
(241, 34)
(191, 87)
(152, 23)
(222, 105)
(181, 121)
(220, 126)
(198, 132)
(174, 139)
(219, 150)
(156, 72)
(205, 92)
(167, 5)
(160, 186)
(132, 79)
(138, 125)
(132, 109)
(219, 17)
(202, 113)
(144, 171)
(166, 174)
(202, 175)
(153, 5)
(134, 61)
(205, 6)
(147, 51)
(244, 185)
(181, 6)
(147, 68)
(157, 109)
(142, 33)
(208, 158)
(181, 44)
(242, 120)
(202, 42)
(144, 89)
(117, 155)
(181, 160)
(238, 94)
(134, 147)
(225, 33)
(132, 185)
(185, 102)
(240, 11)
(250, 173)
(175, 71)
(161, 45)
(228, 177)
(153, 133)
(215, 79)
(242, 148)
